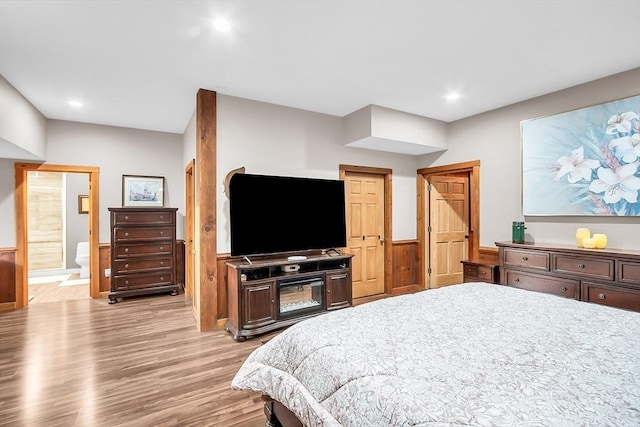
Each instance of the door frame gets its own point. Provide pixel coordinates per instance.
(472, 169)
(388, 207)
(189, 203)
(21, 199)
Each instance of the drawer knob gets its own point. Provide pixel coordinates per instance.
(162, 232)
(525, 258)
(126, 249)
(126, 282)
(273, 301)
(161, 262)
(328, 291)
(126, 217)
(482, 273)
(161, 216)
(601, 296)
(161, 278)
(516, 279)
(580, 265)
(563, 289)
(126, 266)
(161, 248)
(126, 234)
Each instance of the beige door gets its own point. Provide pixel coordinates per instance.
(365, 232)
(448, 228)
(45, 191)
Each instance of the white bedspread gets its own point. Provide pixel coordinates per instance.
(471, 354)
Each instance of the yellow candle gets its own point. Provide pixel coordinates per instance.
(589, 242)
(581, 233)
(601, 240)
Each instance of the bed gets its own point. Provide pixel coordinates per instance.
(470, 354)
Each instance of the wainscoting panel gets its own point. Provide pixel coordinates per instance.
(8, 276)
(405, 267)
(223, 306)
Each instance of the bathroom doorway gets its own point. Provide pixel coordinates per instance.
(88, 203)
(57, 236)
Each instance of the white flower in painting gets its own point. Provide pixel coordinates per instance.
(627, 148)
(621, 184)
(621, 122)
(576, 166)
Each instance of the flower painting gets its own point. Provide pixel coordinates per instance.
(583, 162)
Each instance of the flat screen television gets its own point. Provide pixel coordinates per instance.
(276, 214)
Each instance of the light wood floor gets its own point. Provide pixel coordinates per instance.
(140, 362)
(57, 288)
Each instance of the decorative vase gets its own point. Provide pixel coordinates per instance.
(601, 240)
(589, 242)
(581, 233)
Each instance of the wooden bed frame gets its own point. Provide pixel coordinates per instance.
(278, 415)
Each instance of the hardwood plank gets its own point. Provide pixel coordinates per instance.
(140, 362)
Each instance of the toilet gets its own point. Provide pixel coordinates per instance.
(82, 259)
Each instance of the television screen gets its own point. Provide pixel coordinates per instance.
(272, 214)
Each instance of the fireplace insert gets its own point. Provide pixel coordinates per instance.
(299, 296)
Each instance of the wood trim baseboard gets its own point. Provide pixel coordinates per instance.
(7, 306)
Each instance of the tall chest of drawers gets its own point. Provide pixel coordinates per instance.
(602, 276)
(143, 252)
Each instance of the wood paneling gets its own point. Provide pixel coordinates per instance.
(405, 266)
(223, 286)
(104, 260)
(7, 275)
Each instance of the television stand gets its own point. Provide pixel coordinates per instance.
(264, 296)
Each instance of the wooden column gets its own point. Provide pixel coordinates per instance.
(206, 296)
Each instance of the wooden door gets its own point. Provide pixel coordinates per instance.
(189, 259)
(45, 195)
(448, 228)
(365, 232)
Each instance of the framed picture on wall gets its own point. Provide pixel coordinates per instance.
(142, 191)
(83, 204)
(583, 162)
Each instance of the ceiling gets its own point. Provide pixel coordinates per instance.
(139, 64)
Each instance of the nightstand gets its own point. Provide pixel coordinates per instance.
(480, 270)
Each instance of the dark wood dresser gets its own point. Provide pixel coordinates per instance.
(480, 270)
(143, 251)
(602, 276)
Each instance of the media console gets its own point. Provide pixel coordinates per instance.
(271, 293)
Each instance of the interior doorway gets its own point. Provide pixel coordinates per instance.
(428, 224)
(57, 236)
(368, 213)
(22, 229)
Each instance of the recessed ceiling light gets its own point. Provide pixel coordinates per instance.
(452, 96)
(221, 25)
(75, 103)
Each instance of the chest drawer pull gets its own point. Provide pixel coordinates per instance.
(601, 296)
(126, 234)
(482, 273)
(161, 247)
(126, 266)
(126, 249)
(126, 217)
(580, 265)
(563, 289)
(525, 258)
(516, 279)
(161, 262)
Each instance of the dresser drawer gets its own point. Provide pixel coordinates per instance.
(138, 250)
(142, 233)
(470, 270)
(141, 265)
(629, 272)
(528, 259)
(611, 295)
(583, 266)
(551, 285)
(142, 217)
(141, 281)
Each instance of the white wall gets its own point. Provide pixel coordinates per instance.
(275, 140)
(22, 126)
(494, 139)
(7, 208)
(118, 151)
